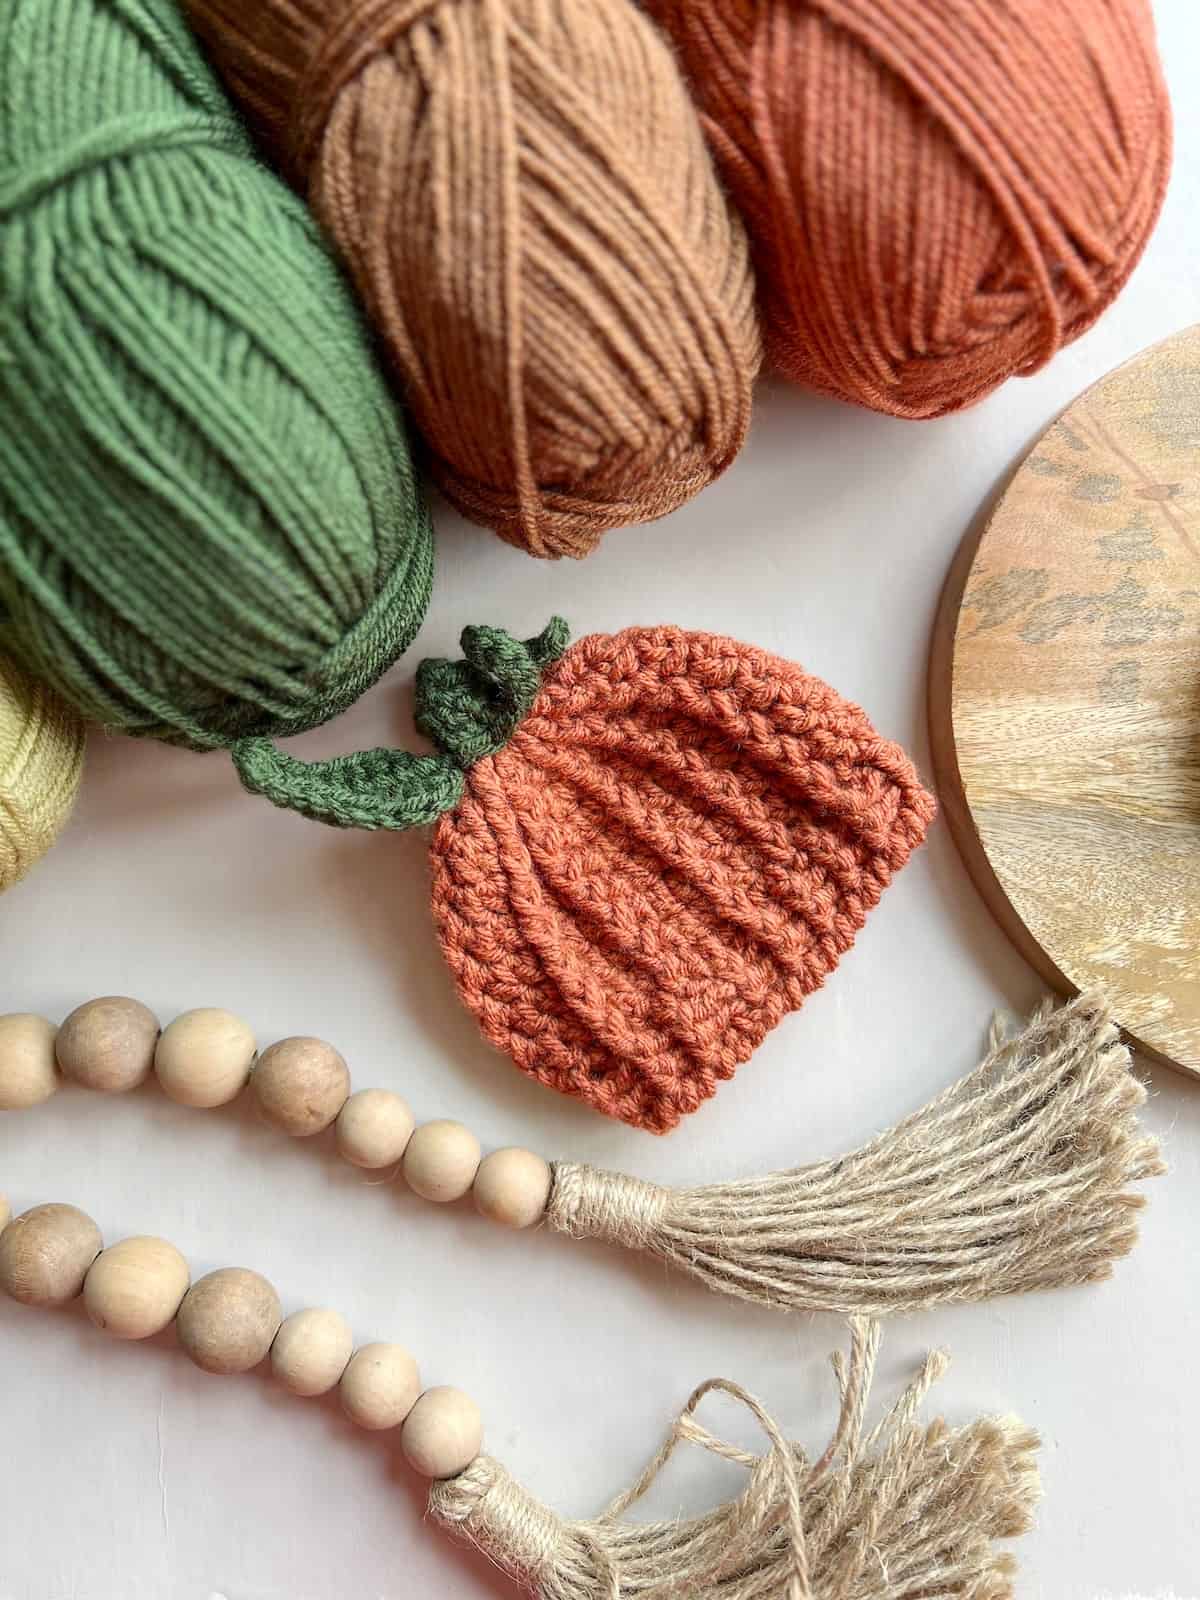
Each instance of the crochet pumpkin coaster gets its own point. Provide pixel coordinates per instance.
(649, 847)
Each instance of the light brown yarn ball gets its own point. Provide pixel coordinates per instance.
(522, 193)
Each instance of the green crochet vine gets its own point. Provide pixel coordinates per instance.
(468, 708)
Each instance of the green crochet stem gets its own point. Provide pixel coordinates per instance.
(468, 708)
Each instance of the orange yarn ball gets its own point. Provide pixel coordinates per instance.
(941, 193)
(525, 200)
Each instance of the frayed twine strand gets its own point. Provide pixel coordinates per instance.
(909, 1510)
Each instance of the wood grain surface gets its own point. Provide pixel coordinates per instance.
(1065, 699)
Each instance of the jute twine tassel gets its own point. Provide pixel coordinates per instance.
(1014, 1178)
(910, 1510)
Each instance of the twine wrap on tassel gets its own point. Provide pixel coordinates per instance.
(906, 1511)
(1014, 1178)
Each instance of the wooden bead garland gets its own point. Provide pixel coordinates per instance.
(1043, 1129)
(1005, 1194)
(302, 1086)
(794, 1530)
(228, 1322)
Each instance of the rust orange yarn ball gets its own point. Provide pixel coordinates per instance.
(676, 845)
(940, 193)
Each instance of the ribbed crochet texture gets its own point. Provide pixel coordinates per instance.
(941, 193)
(41, 759)
(649, 847)
(675, 847)
(523, 194)
(209, 526)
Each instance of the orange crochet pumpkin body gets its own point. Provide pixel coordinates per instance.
(676, 845)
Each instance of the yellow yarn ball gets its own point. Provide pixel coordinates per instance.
(41, 759)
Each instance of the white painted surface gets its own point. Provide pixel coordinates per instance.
(125, 1474)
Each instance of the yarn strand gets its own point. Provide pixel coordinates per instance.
(1014, 1178)
(909, 1512)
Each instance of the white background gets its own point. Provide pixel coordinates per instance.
(125, 1474)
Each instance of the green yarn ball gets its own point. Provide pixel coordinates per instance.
(209, 523)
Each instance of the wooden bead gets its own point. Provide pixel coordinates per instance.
(442, 1434)
(380, 1386)
(27, 1068)
(311, 1351)
(228, 1320)
(441, 1161)
(45, 1254)
(374, 1127)
(135, 1288)
(204, 1057)
(301, 1084)
(108, 1044)
(512, 1187)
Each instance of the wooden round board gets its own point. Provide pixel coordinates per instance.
(1065, 700)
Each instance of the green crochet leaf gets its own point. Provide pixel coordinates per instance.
(371, 789)
(469, 708)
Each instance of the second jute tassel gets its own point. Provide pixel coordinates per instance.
(907, 1511)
